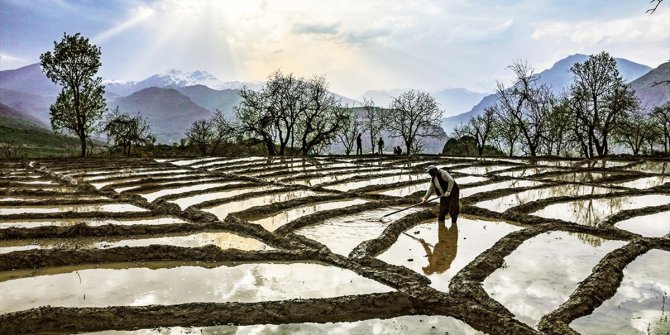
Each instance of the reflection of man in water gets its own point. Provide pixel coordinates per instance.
(444, 252)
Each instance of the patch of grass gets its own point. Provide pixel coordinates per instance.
(22, 139)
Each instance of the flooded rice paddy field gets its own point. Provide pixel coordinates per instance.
(259, 245)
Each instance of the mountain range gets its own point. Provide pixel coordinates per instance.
(559, 78)
(173, 100)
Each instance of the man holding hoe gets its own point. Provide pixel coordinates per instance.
(447, 189)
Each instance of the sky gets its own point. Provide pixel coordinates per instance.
(358, 45)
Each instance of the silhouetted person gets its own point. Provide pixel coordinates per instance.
(447, 189)
(380, 145)
(444, 251)
(359, 145)
(399, 150)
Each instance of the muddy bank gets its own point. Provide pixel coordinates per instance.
(601, 285)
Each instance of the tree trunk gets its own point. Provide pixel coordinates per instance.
(83, 146)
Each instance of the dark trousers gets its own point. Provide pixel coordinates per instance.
(450, 205)
(359, 149)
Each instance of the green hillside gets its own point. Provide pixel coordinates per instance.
(20, 138)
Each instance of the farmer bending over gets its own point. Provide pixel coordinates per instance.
(447, 189)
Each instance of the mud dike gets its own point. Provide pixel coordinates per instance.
(257, 245)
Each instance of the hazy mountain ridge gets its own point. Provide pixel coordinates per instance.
(169, 112)
(646, 90)
(558, 77)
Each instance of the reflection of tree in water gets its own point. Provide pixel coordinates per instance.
(592, 212)
(444, 251)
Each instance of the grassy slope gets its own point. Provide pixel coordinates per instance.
(34, 141)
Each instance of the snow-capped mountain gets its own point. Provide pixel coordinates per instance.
(175, 79)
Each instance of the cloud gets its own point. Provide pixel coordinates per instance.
(317, 28)
(11, 62)
(366, 35)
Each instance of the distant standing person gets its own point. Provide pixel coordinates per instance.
(447, 189)
(359, 145)
(399, 150)
(380, 146)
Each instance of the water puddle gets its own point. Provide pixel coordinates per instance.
(131, 174)
(640, 305)
(404, 190)
(223, 160)
(439, 251)
(273, 222)
(376, 181)
(645, 183)
(579, 177)
(90, 222)
(223, 240)
(481, 170)
(592, 212)
(182, 284)
(541, 274)
(529, 172)
(222, 211)
(196, 199)
(504, 203)
(192, 161)
(155, 195)
(115, 208)
(411, 324)
(466, 192)
(653, 225)
(342, 234)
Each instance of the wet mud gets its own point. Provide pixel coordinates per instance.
(411, 294)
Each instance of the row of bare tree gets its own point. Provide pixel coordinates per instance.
(597, 110)
(293, 115)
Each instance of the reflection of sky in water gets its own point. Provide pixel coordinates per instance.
(473, 238)
(481, 169)
(183, 162)
(196, 199)
(222, 211)
(466, 192)
(134, 173)
(401, 325)
(332, 178)
(222, 240)
(578, 177)
(220, 160)
(504, 203)
(637, 304)
(273, 222)
(376, 181)
(90, 222)
(155, 195)
(653, 225)
(529, 172)
(72, 208)
(405, 190)
(184, 284)
(645, 183)
(342, 234)
(543, 272)
(592, 212)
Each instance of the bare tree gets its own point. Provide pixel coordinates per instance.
(635, 130)
(601, 100)
(661, 115)
(558, 136)
(414, 115)
(372, 120)
(209, 135)
(480, 128)
(321, 118)
(124, 130)
(349, 131)
(526, 105)
(505, 135)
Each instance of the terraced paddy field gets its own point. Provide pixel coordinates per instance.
(259, 245)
